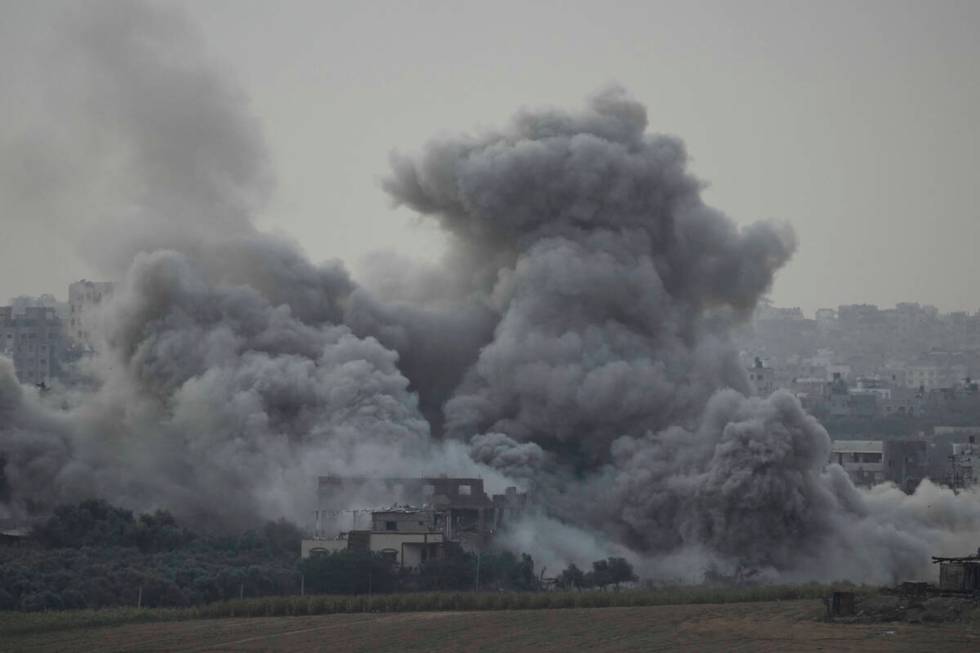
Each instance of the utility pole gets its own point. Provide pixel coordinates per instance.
(302, 584)
(477, 584)
(954, 481)
(139, 597)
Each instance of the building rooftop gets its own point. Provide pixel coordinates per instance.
(854, 446)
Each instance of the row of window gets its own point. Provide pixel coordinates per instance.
(859, 457)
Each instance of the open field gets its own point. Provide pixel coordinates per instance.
(318, 604)
(766, 626)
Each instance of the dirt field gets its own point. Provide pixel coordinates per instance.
(779, 626)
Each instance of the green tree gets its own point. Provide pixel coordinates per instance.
(348, 572)
(620, 571)
(571, 578)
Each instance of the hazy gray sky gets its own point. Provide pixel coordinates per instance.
(854, 121)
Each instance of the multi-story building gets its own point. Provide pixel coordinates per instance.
(32, 338)
(870, 462)
(417, 517)
(906, 463)
(762, 378)
(406, 535)
(927, 377)
(859, 317)
(863, 460)
(965, 464)
(85, 300)
(21, 303)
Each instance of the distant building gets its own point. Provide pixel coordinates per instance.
(928, 377)
(859, 317)
(32, 338)
(85, 301)
(899, 406)
(407, 536)
(842, 371)
(843, 401)
(871, 386)
(862, 405)
(770, 312)
(863, 460)
(811, 391)
(422, 514)
(906, 463)
(965, 464)
(762, 378)
(21, 303)
(870, 462)
(508, 507)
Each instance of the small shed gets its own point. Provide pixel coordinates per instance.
(959, 574)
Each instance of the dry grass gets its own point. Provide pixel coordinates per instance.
(23, 623)
(757, 626)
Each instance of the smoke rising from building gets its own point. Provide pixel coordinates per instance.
(575, 340)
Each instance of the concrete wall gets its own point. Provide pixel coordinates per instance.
(409, 555)
(321, 546)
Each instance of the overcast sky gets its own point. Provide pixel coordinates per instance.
(857, 122)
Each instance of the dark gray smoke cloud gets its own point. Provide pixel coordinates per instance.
(610, 383)
(575, 339)
(613, 279)
(228, 380)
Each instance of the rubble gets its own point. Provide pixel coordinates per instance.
(896, 606)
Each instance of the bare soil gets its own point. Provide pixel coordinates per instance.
(773, 626)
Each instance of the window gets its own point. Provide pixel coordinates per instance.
(465, 490)
(428, 489)
(391, 526)
(390, 555)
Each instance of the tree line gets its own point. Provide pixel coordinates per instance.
(95, 555)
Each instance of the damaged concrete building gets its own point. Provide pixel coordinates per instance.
(959, 574)
(964, 464)
(870, 462)
(404, 535)
(409, 520)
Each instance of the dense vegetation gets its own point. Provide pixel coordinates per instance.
(94, 555)
(612, 571)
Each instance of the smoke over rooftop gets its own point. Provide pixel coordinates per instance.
(575, 340)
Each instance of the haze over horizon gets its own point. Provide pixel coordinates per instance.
(854, 123)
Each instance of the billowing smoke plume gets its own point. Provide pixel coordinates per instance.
(228, 379)
(575, 340)
(610, 383)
